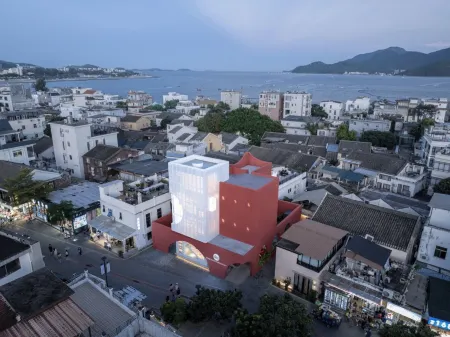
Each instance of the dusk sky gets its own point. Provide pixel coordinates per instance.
(269, 35)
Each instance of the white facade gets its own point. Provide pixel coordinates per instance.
(441, 105)
(232, 98)
(31, 123)
(15, 97)
(290, 183)
(297, 104)
(171, 96)
(435, 139)
(334, 109)
(359, 104)
(194, 186)
(136, 216)
(297, 125)
(361, 125)
(441, 166)
(381, 109)
(175, 131)
(69, 109)
(330, 132)
(186, 149)
(72, 140)
(18, 152)
(185, 107)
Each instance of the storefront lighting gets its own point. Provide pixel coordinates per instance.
(248, 229)
(138, 223)
(192, 263)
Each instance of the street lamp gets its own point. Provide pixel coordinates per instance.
(105, 268)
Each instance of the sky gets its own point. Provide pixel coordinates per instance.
(241, 35)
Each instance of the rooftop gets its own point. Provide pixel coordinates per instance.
(296, 161)
(182, 121)
(305, 119)
(346, 146)
(144, 167)
(43, 144)
(240, 148)
(250, 181)
(368, 252)
(231, 158)
(389, 228)
(102, 152)
(199, 136)
(231, 245)
(116, 229)
(378, 162)
(313, 150)
(10, 247)
(82, 194)
(18, 144)
(199, 164)
(10, 170)
(183, 137)
(130, 118)
(278, 137)
(228, 138)
(441, 201)
(5, 127)
(313, 239)
(175, 129)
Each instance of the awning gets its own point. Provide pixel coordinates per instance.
(111, 227)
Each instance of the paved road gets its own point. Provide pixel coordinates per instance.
(151, 272)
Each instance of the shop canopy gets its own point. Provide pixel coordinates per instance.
(107, 225)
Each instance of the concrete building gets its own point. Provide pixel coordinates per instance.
(298, 125)
(435, 139)
(181, 150)
(360, 104)
(389, 109)
(442, 108)
(171, 96)
(13, 147)
(132, 122)
(68, 109)
(20, 256)
(185, 107)
(271, 104)
(223, 233)
(138, 170)
(30, 122)
(15, 97)
(139, 99)
(126, 216)
(334, 109)
(441, 166)
(297, 104)
(71, 140)
(106, 120)
(232, 98)
(361, 125)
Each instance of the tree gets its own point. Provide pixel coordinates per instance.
(165, 121)
(254, 106)
(156, 107)
(312, 128)
(174, 312)
(443, 186)
(193, 112)
(171, 104)
(22, 188)
(122, 105)
(423, 111)
(418, 131)
(379, 138)
(40, 85)
(279, 316)
(401, 330)
(343, 133)
(211, 122)
(58, 214)
(318, 111)
(222, 106)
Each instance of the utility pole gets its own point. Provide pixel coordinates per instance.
(105, 268)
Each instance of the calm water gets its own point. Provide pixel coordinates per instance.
(322, 87)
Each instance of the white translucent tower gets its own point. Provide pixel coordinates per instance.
(194, 187)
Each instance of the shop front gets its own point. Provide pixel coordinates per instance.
(187, 252)
(440, 326)
(395, 314)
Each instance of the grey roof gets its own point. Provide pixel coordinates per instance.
(388, 227)
(441, 201)
(113, 228)
(378, 162)
(156, 137)
(5, 127)
(158, 146)
(321, 140)
(231, 158)
(9, 170)
(314, 196)
(438, 307)
(35, 292)
(346, 146)
(240, 148)
(332, 188)
(35, 113)
(43, 144)
(231, 245)
(10, 247)
(18, 144)
(144, 167)
(277, 137)
(175, 129)
(199, 136)
(82, 194)
(305, 119)
(369, 250)
(169, 115)
(183, 137)
(102, 152)
(130, 118)
(293, 160)
(314, 150)
(228, 138)
(250, 181)
(182, 121)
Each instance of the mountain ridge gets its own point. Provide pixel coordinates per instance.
(392, 60)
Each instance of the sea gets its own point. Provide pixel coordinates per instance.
(322, 87)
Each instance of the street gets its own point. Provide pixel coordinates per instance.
(151, 272)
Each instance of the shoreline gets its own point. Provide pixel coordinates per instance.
(75, 79)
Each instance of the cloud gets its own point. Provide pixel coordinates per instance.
(438, 44)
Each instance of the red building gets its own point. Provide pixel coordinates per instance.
(250, 217)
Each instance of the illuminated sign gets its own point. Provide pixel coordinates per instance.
(80, 221)
(404, 312)
(216, 257)
(439, 323)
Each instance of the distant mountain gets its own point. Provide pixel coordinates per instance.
(387, 61)
(7, 64)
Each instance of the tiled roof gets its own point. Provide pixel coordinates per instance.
(228, 138)
(346, 146)
(9, 170)
(240, 147)
(130, 118)
(293, 160)
(102, 152)
(321, 140)
(89, 92)
(389, 228)
(5, 127)
(378, 162)
(199, 136)
(181, 121)
(43, 144)
(314, 150)
(305, 119)
(183, 137)
(144, 167)
(231, 158)
(369, 250)
(276, 137)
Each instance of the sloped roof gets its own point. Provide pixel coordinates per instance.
(277, 137)
(182, 121)
(176, 129)
(388, 227)
(130, 118)
(321, 140)
(231, 158)
(199, 136)
(183, 137)
(43, 144)
(228, 138)
(293, 160)
(315, 150)
(18, 144)
(346, 146)
(378, 162)
(368, 250)
(5, 127)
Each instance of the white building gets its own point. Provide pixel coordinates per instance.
(128, 217)
(291, 183)
(185, 107)
(18, 70)
(182, 150)
(232, 98)
(435, 139)
(139, 99)
(297, 104)
(22, 256)
(15, 97)
(102, 119)
(442, 106)
(435, 241)
(334, 109)
(381, 109)
(71, 140)
(171, 96)
(360, 104)
(175, 131)
(361, 125)
(194, 180)
(31, 123)
(87, 97)
(68, 109)
(297, 125)
(441, 166)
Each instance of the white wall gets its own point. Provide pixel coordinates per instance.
(12, 155)
(32, 128)
(432, 237)
(440, 218)
(232, 98)
(297, 104)
(333, 109)
(25, 268)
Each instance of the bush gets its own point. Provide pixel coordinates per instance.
(174, 312)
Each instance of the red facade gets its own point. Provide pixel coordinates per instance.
(253, 216)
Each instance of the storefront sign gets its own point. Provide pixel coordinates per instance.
(404, 312)
(80, 221)
(439, 323)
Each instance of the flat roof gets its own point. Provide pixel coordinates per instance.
(81, 195)
(441, 201)
(250, 181)
(115, 229)
(142, 167)
(231, 245)
(200, 164)
(10, 247)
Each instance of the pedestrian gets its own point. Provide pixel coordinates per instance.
(178, 292)
(55, 252)
(176, 287)
(369, 333)
(67, 253)
(59, 257)
(171, 288)
(167, 298)
(50, 248)
(79, 251)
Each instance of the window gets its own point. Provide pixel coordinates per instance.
(23, 127)
(87, 160)
(148, 220)
(17, 153)
(35, 126)
(96, 142)
(149, 236)
(68, 144)
(159, 213)
(70, 156)
(440, 252)
(88, 146)
(103, 208)
(120, 216)
(9, 268)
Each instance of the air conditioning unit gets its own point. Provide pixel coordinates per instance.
(424, 257)
(388, 293)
